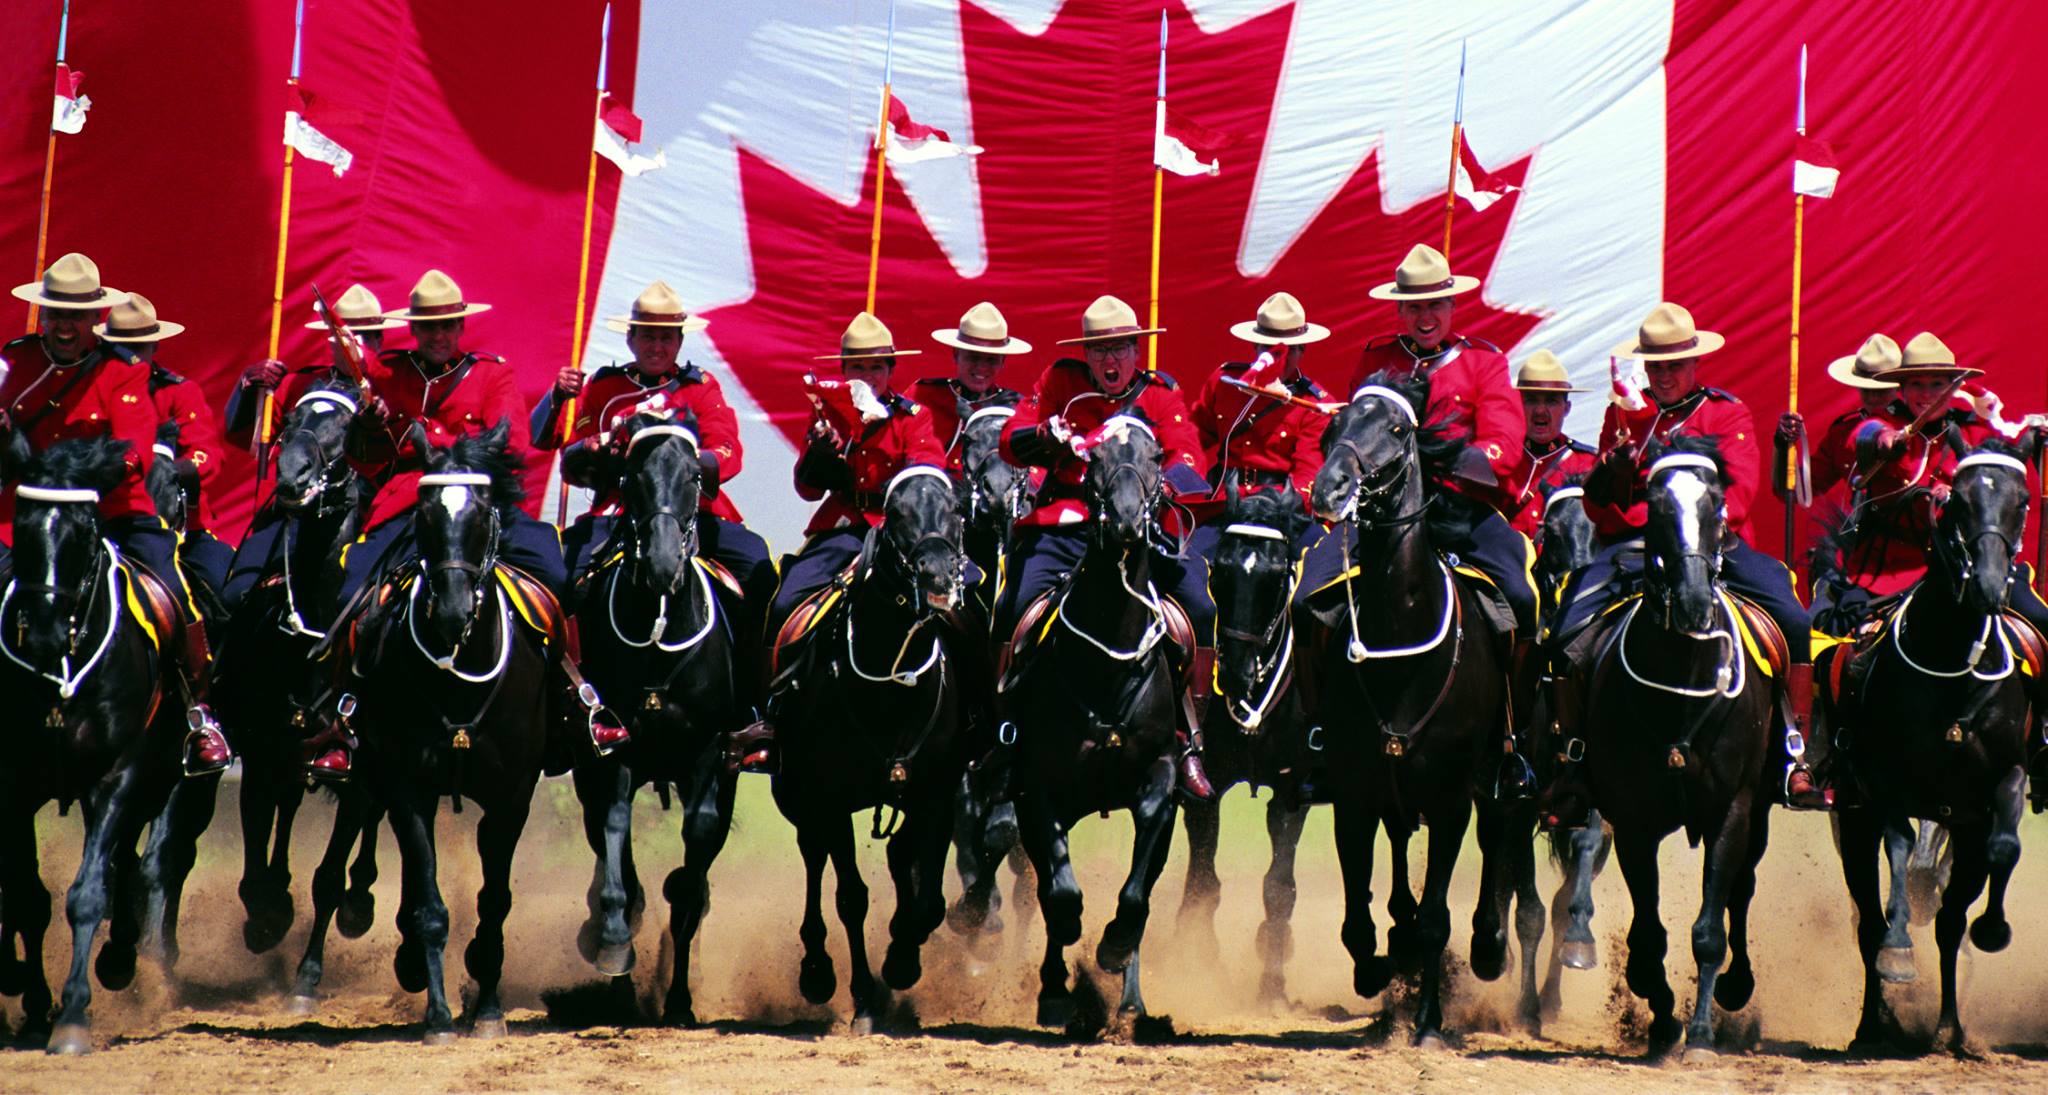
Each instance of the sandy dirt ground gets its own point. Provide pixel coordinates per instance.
(220, 1025)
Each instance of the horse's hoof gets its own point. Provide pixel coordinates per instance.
(1371, 977)
(13, 976)
(680, 1015)
(967, 917)
(438, 1037)
(616, 961)
(861, 1026)
(1895, 965)
(1055, 1012)
(1663, 1035)
(902, 967)
(815, 979)
(70, 1040)
(356, 914)
(1119, 943)
(409, 965)
(1273, 990)
(1000, 835)
(1699, 1055)
(1734, 988)
(1489, 957)
(301, 1005)
(1429, 1040)
(489, 1028)
(1063, 923)
(1578, 956)
(115, 967)
(1990, 936)
(259, 934)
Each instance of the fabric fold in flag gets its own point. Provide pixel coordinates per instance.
(313, 144)
(1814, 170)
(1479, 187)
(914, 142)
(618, 127)
(1178, 144)
(68, 111)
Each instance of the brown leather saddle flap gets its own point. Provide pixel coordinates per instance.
(2027, 644)
(722, 576)
(158, 607)
(1032, 629)
(536, 604)
(1769, 640)
(804, 616)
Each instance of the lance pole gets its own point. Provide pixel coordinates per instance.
(576, 335)
(881, 157)
(49, 170)
(1457, 150)
(1158, 201)
(266, 408)
(1793, 486)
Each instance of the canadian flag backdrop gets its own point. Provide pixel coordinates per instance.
(1651, 144)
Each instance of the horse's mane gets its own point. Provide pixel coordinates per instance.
(93, 463)
(491, 453)
(1548, 489)
(2001, 446)
(1275, 509)
(1452, 516)
(338, 384)
(1689, 443)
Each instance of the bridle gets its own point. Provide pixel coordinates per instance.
(1380, 485)
(479, 572)
(76, 602)
(329, 490)
(1653, 583)
(973, 467)
(1955, 548)
(901, 561)
(1270, 671)
(642, 522)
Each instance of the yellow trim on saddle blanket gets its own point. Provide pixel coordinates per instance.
(527, 611)
(135, 607)
(1749, 643)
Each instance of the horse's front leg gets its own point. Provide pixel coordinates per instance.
(978, 898)
(1202, 890)
(1990, 933)
(815, 977)
(1490, 913)
(1895, 960)
(707, 820)
(1433, 918)
(1637, 853)
(167, 859)
(87, 904)
(1858, 835)
(329, 881)
(850, 897)
(422, 915)
(1276, 932)
(497, 837)
(910, 854)
(1371, 972)
(1726, 856)
(605, 788)
(25, 910)
(359, 903)
(1970, 843)
(266, 898)
(1529, 911)
(1152, 825)
(1040, 835)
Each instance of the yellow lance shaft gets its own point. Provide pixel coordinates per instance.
(576, 337)
(1451, 184)
(881, 173)
(284, 226)
(43, 219)
(1152, 313)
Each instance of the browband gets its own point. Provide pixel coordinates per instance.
(164, 451)
(1993, 459)
(1260, 531)
(1391, 396)
(1127, 421)
(455, 479)
(57, 494)
(912, 472)
(322, 395)
(1683, 460)
(1562, 493)
(662, 430)
(991, 412)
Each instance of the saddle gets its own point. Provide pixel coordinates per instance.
(153, 606)
(1844, 664)
(1761, 636)
(1013, 658)
(805, 617)
(536, 606)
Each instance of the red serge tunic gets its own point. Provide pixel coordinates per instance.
(1893, 520)
(1242, 431)
(1068, 390)
(199, 436)
(1471, 393)
(1535, 472)
(1834, 459)
(611, 394)
(100, 395)
(884, 447)
(470, 397)
(941, 397)
(1707, 412)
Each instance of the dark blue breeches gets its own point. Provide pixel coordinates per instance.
(526, 543)
(1041, 557)
(1494, 548)
(1744, 570)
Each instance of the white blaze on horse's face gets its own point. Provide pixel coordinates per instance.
(1688, 489)
(50, 553)
(453, 500)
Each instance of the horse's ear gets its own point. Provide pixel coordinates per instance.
(1230, 493)
(416, 439)
(16, 454)
(167, 431)
(110, 467)
(1956, 444)
(499, 435)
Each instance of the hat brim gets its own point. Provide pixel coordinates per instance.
(1842, 370)
(1117, 337)
(383, 323)
(33, 293)
(1943, 372)
(163, 331)
(407, 315)
(1012, 345)
(1460, 283)
(858, 355)
(1709, 341)
(625, 324)
(1249, 331)
(1567, 390)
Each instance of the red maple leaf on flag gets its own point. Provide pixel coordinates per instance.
(1066, 219)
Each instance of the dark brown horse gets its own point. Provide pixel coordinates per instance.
(93, 719)
(1677, 719)
(868, 716)
(1933, 719)
(1414, 693)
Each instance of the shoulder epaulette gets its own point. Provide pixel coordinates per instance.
(1382, 342)
(1580, 446)
(482, 356)
(1304, 386)
(608, 370)
(393, 354)
(932, 382)
(22, 341)
(1720, 394)
(1163, 379)
(1073, 362)
(1847, 416)
(163, 377)
(1236, 365)
(690, 374)
(1480, 342)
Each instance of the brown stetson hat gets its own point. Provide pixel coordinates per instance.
(71, 282)
(983, 330)
(1871, 366)
(658, 306)
(1543, 372)
(1107, 320)
(1424, 275)
(1668, 334)
(1926, 355)
(866, 336)
(437, 297)
(134, 320)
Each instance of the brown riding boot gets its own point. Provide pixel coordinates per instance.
(1802, 790)
(207, 751)
(752, 747)
(330, 752)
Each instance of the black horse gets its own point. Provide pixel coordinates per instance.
(450, 700)
(95, 721)
(1677, 722)
(993, 495)
(1933, 720)
(1094, 706)
(265, 689)
(868, 715)
(1566, 544)
(655, 627)
(1257, 732)
(1414, 692)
